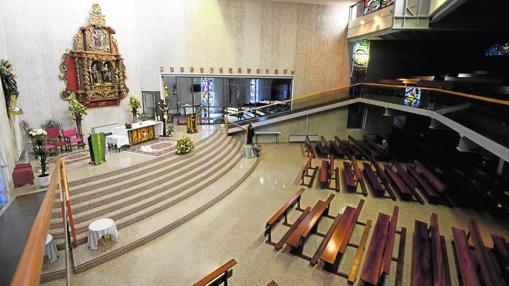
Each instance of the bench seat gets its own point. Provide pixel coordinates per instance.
(401, 187)
(349, 179)
(376, 186)
(424, 186)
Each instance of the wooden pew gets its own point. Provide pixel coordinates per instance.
(376, 186)
(501, 251)
(424, 186)
(218, 276)
(476, 266)
(283, 212)
(272, 283)
(359, 147)
(377, 263)
(432, 179)
(323, 147)
(358, 176)
(333, 175)
(429, 255)
(305, 173)
(335, 246)
(350, 182)
(404, 192)
(383, 178)
(342, 147)
(409, 181)
(309, 148)
(309, 224)
(324, 178)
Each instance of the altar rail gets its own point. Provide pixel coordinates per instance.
(28, 270)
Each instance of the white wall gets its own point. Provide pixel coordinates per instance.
(310, 39)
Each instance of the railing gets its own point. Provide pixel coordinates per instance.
(28, 270)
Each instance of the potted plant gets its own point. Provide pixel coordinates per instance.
(184, 145)
(78, 110)
(134, 104)
(41, 154)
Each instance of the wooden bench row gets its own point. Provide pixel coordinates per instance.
(378, 261)
(308, 167)
(221, 276)
(479, 266)
(429, 255)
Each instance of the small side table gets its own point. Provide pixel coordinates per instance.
(50, 249)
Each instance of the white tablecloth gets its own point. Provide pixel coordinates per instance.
(50, 249)
(118, 136)
(100, 228)
(158, 126)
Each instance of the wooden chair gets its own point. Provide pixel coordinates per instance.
(283, 212)
(53, 137)
(309, 148)
(218, 276)
(377, 263)
(72, 137)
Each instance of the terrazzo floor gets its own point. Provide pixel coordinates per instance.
(233, 228)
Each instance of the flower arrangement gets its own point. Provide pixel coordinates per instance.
(184, 145)
(77, 108)
(40, 152)
(134, 102)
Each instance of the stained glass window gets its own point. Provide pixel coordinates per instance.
(208, 90)
(412, 96)
(371, 6)
(498, 50)
(254, 88)
(360, 55)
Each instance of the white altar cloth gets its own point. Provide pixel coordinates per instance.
(50, 248)
(100, 228)
(118, 136)
(158, 126)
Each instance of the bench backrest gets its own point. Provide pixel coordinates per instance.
(218, 273)
(466, 264)
(439, 277)
(389, 244)
(282, 211)
(373, 262)
(437, 184)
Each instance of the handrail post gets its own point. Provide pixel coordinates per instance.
(63, 186)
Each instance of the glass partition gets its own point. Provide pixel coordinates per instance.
(214, 98)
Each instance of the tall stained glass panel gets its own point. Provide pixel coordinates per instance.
(371, 6)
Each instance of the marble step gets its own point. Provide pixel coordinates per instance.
(150, 206)
(103, 203)
(139, 178)
(125, 173)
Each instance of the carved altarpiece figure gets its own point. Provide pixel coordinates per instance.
(94, 71)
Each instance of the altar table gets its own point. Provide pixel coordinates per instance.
(144, 131)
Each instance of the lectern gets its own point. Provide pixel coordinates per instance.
(97, 147)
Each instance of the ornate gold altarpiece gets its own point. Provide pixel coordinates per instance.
(94, 71)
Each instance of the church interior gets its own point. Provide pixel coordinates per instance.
(254, 142)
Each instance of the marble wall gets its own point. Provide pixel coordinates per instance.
(310, 39)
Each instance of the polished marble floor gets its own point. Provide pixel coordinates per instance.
(233, 228)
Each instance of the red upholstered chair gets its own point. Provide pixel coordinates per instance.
(53, 137)
(72, 137)
(22, 175)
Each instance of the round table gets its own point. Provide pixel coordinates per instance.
(99, 228)
(50, 248)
